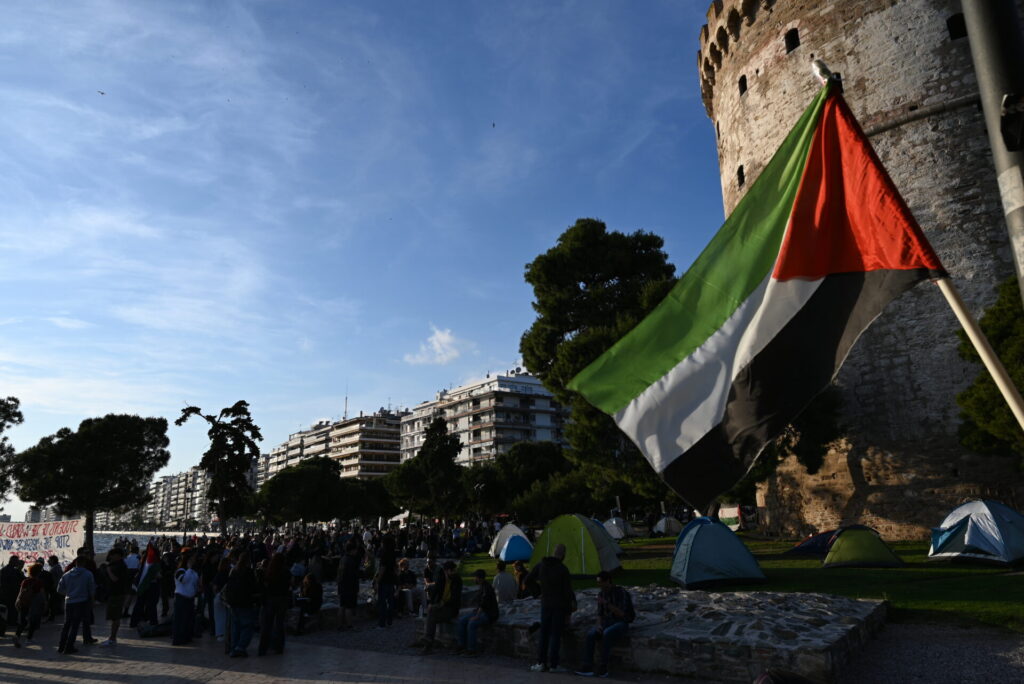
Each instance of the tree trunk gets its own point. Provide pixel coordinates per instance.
(223, 523)
(90, 522)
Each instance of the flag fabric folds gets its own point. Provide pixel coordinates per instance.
(150, 569)
(766, 315)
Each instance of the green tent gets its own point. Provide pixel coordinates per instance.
(860, 547)
(588, 549)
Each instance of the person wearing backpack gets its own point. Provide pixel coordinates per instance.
(614, 613)
(30, 604)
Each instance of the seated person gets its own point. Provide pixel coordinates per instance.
(406, 588)
(486, 613)
(444, 606)
(311, 597)
(614, 613)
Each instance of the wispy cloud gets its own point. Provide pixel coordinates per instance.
(68, 323)
(440, 349)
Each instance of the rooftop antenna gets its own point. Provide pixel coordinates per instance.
(345, 417)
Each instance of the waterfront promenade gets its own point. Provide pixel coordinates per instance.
(368, 655)
(901, 653)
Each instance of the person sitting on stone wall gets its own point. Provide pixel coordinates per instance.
(614, 613)
(444, 606)
(486, 613)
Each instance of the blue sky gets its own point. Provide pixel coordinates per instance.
(276, 201)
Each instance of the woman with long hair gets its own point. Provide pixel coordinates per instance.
(386, 579)
(276, 596)
(311, 597)
(241, 593)
(220, 606)
(30, 602)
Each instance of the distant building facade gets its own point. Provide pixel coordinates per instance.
(367, 446)
(489, 416)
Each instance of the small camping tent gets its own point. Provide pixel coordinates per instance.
(668, 526)
(604, 531)
(588, 548)
(508, 530)
(708, 552)
(516, 548)
(814, 545)
(619, 528)
(980, 530)
(859, 547)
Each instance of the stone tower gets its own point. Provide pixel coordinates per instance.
(907, 76)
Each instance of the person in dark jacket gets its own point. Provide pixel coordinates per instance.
(444, 605)
(486, 613)
(614, 613)
(241, 593)
(557, 602)
(386, 580)
(348, 582)
(276, 595)
(11, 578)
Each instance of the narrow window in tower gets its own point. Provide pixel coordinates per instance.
(956, 26)
(740, 178)
(792, 40)
(743, 84)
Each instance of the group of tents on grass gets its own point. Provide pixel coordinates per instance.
(708, 552)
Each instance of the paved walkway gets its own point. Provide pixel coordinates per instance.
(365, 656)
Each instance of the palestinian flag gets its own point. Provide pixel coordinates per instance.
(766, 315)
(150, 569)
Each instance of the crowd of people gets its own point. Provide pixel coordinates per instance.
(233, 587)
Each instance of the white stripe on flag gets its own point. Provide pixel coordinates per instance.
(678, 409)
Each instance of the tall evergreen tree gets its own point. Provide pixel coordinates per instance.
(10, 415)
(431, 482)
(233, 436)
(989, 426)
(106, 465)
(309, 491)
(590, 289)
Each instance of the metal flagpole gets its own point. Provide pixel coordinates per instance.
(984, 349)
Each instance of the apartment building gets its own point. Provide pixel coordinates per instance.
(367, 446)
(488, 416)
(301, 445)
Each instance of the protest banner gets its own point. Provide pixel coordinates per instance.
(32, 540)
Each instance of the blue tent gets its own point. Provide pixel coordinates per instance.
(814, 545)
(708, 552)
(516, 548)
(982, 531)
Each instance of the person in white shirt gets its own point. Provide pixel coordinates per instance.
(186, 587)
(132, 559)
(505, 586)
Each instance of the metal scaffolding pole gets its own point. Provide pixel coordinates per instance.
(993, 29)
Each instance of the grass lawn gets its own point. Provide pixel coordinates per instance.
(919, 591)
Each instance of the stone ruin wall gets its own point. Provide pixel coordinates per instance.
(912, 86)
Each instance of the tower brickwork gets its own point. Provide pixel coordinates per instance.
(907, 75)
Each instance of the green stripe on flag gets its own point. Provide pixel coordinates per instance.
(729, 269)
